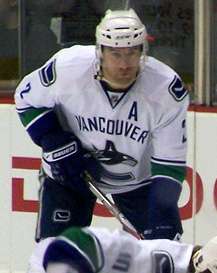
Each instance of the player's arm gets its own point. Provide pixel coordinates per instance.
(35, 99)
(168, 167)
(168, 163)
(169, 136)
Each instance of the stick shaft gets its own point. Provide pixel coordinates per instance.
(111, 207)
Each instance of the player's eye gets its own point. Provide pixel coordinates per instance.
(116, 54)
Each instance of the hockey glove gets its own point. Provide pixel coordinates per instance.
(163, 220)
(63, 152)
(205, 259)
(93, 166)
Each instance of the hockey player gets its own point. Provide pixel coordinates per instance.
(91, 250)
(112, 110)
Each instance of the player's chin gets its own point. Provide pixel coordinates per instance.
(125, 80)
(128, 76)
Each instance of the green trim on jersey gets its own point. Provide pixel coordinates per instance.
(30, 115)
(87, 243)
(176, 172)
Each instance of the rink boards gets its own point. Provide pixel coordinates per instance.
(20, 160)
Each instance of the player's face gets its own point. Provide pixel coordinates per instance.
(120, 65)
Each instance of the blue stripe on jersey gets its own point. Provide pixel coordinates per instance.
(30, 115)
(21, 110)
(168, 162)
(41, 126)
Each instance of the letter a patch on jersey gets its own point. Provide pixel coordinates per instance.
(177, 90)
(48, 74)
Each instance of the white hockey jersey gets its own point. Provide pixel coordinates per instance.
(135, 136)
(121, 252)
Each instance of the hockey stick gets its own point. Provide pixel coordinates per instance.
(127, 226)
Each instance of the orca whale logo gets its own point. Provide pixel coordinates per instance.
(111, 156)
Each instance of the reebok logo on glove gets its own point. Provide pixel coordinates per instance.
(57, 154)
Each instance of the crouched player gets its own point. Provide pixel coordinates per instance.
(91, 250)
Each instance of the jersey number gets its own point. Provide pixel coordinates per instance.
(25, 90)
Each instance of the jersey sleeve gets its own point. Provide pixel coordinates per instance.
(169, 138)
(38, 88)
(35, 100)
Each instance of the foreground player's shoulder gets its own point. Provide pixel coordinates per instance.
(115, 241)
(168, 84)
(66, 65)
(76, 54)
(66, 68)
(112, 242)
(70, 63)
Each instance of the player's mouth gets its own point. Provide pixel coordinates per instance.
(128, 73)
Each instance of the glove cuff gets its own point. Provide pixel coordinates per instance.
(61, 153)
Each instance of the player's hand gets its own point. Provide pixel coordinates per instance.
(93, 166)
(205, 259)
(63, 152)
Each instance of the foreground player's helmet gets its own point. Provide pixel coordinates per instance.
(120, 28)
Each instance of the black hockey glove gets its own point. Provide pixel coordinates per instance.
(63, 152)
(162, 218)
(93, 166)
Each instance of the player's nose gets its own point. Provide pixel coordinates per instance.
(124, 62)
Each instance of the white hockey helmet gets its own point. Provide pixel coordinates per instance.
(121, 28)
